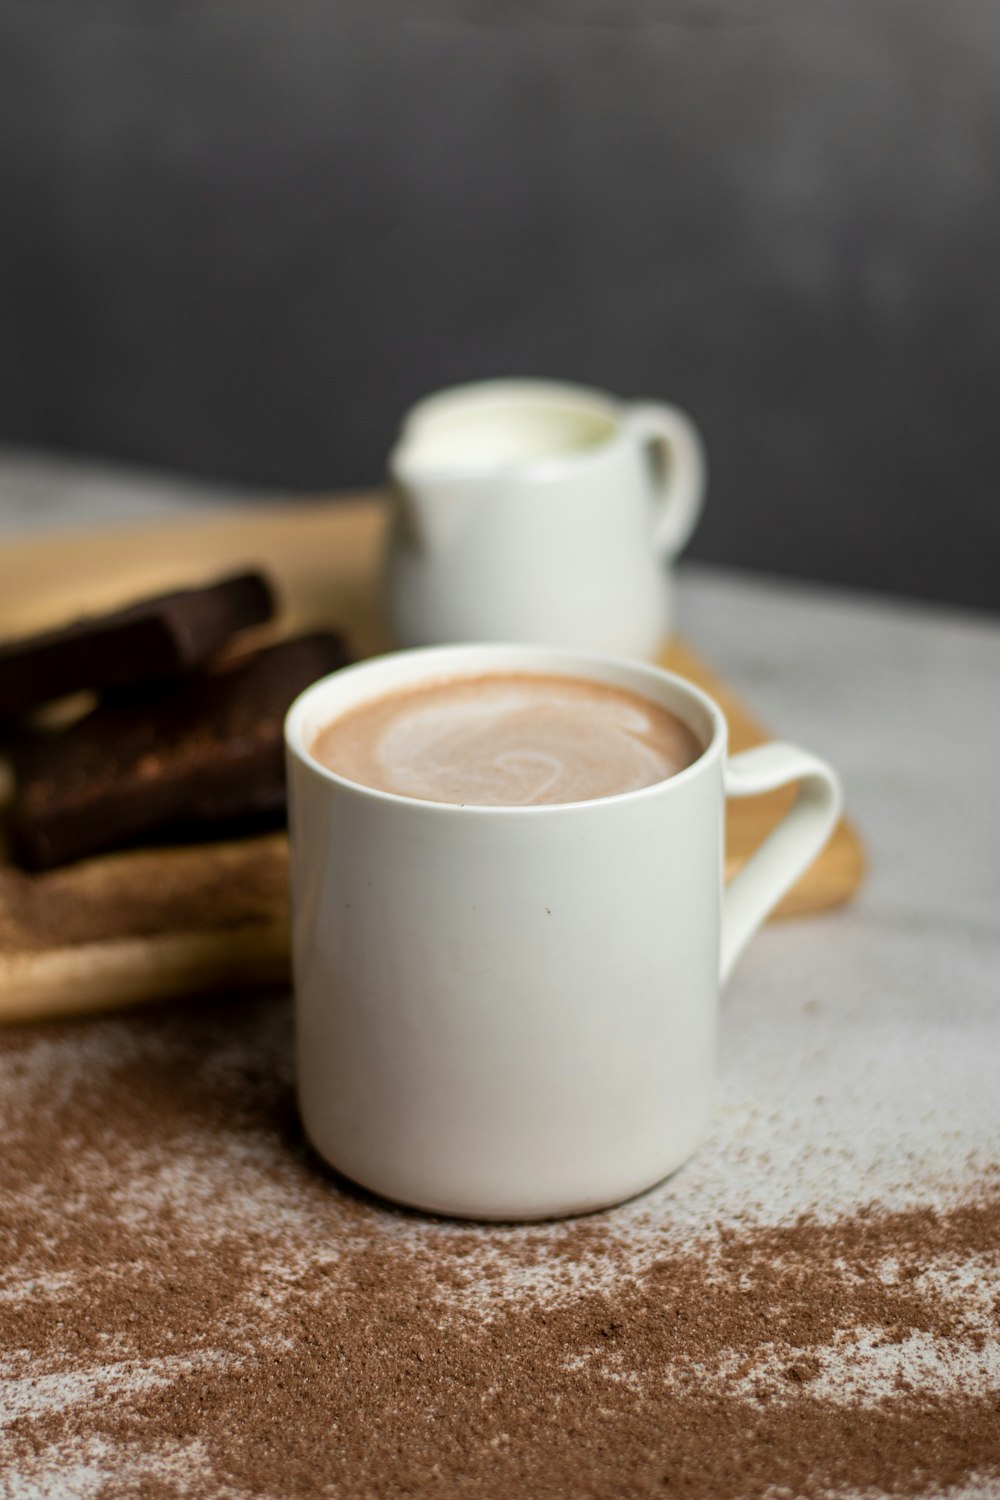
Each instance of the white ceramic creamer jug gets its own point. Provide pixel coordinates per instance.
(535, 511)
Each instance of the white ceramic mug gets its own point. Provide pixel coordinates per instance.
(510, 1012)
(529, 510)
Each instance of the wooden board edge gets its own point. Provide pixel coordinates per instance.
(92, 977)
(831, 884)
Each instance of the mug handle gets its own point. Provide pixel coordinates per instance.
(680, 483)
(788, 850)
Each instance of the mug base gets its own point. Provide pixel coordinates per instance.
(522, 1210)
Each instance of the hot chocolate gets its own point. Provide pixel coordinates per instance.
(508, 741)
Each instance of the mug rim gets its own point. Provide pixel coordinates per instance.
(500, 657)
(612, 407)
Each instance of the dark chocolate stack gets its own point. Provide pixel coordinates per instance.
(184, 742)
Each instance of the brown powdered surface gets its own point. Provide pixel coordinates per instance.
(145, 892)
(192, 1306)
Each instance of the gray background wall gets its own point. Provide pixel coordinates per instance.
(238, 237)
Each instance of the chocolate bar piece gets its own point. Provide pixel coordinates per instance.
(200, 754)
(152, 639)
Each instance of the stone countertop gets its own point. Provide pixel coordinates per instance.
(859, 1066)
(895, 1000)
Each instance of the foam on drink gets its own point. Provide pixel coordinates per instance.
(516, 740)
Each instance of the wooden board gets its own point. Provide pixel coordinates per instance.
(148, 924)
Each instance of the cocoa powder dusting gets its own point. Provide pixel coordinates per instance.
(191, 1305)
(215, 887)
